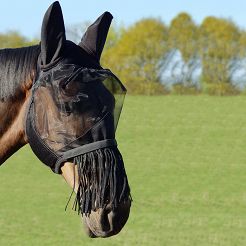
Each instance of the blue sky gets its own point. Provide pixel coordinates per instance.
(26, 15)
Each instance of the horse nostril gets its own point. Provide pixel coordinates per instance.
(115, 218)
(104, 219)
(106, 222)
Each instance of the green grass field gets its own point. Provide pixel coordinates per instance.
(186, 162)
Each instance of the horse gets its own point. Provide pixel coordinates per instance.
(54, 97)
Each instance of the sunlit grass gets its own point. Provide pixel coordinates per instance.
(186, 161)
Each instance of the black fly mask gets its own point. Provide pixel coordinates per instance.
(73, 116)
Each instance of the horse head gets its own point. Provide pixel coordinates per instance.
(71, 114)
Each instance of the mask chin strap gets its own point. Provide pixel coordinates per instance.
(82, 150)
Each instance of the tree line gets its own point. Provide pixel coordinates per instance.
(183, 57)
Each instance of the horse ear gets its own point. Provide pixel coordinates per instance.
(52, 34)
(95, 36)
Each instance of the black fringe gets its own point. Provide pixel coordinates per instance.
(102, 180)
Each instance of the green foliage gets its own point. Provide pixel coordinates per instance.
(180, 89)
(219, 45)
(221, 89)
(242, 44)
(138, 55)
(182, 35)
(14, 39)
(114, 35)
(136, 58)
(150, 88)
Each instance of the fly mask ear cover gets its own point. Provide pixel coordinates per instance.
(73, 115)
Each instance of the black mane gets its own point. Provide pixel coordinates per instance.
(16, 66)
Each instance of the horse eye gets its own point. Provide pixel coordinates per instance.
(73, 89)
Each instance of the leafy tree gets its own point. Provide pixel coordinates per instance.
(242, 44)
(182, 37)
(219, 51)
(13, 39)
(136, 57)
(114, 35)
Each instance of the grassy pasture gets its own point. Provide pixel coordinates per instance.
(186, 162)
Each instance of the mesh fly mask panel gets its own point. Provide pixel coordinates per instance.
(73, 116)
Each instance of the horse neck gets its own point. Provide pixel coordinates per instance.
(18, 69)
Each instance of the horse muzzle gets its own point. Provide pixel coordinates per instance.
(108, 221)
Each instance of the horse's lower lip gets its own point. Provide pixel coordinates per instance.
(102, 234)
